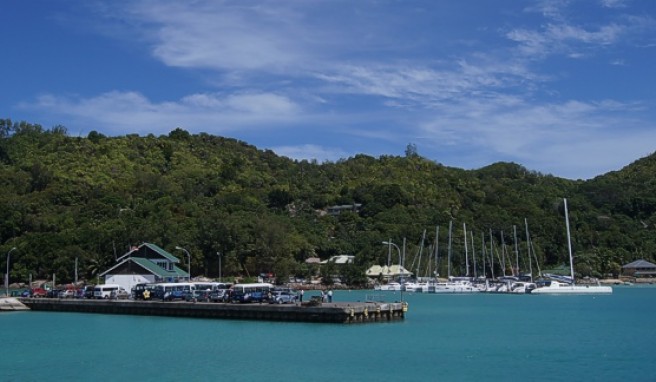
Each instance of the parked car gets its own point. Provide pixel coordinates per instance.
(88, 291)
(53, 293)
(119, 293)
(38, 292)
(198, 296)
(68, 293)
(282, 297)
(220, 295)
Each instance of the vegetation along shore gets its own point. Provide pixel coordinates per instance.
(70, 206)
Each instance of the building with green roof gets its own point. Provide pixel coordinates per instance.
(146, 263)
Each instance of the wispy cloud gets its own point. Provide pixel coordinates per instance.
(219, 35)
(576, 136)
(311, 152)
(312, 69)
(121, 112)
(614, 3)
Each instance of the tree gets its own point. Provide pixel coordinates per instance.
(411, 151)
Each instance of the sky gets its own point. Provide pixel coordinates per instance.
(566, 88)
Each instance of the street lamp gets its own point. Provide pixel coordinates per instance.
(7, 275)
(189, 259)
(395, 246)
(220, 274)
(389, 243)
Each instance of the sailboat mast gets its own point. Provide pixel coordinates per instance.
(437, 246)
(503, 255)
(464, 228)
(569, 242)
(483, 253)
(421, 249)
(528, 249)
(471, 233)
(516, 270)
(491, 255)
(403, 259)
(449, 252)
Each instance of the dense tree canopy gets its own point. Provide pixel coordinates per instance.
(64, 198)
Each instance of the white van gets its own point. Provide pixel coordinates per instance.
(107, 291)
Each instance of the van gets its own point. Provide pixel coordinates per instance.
(107, 291)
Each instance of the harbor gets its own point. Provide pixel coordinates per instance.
(311, 311)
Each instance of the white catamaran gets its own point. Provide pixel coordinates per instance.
(556, 287)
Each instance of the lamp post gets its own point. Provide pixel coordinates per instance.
(7, 275)
(220, 274)
(188, 258)
(390, 244)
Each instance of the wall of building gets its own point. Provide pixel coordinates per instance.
(128, 281)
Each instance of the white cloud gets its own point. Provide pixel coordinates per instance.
(124, 112)
(218, 35)
(347, 75)
(614, 3)
(310, 152)
(573, 139)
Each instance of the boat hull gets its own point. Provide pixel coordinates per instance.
(574, 289)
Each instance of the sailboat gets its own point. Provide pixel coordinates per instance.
(558, 287)
(456, 284)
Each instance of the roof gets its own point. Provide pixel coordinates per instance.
(150, 267)
(341, 259)
(391, 271)
(312, 260)
(639, 264)
(143, 249)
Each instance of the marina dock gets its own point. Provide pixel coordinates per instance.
(11, 304)
(340, 312)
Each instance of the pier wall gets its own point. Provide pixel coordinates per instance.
(355, 312)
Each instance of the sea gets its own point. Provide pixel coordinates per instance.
(476, 337)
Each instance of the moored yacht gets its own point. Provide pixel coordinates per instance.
(557, 287)
(455, 285)
(391, 286)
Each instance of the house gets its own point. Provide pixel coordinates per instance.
(336, 210)
(639, 268)
(146, 263)
(387, 273)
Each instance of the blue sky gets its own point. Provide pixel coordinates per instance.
(561, 87)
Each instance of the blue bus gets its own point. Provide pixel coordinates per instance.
(255, 292)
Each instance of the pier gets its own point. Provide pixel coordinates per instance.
(340, 312)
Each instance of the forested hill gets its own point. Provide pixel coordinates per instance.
(91, 198)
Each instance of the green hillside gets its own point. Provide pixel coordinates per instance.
(63, 198)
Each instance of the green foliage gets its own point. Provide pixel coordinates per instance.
(63, 198)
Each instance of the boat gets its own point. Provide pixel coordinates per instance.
(455, 285)
(408, 286)
(558, 287)
(391, 286)
(522, 287)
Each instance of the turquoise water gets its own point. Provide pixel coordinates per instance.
(444, 337)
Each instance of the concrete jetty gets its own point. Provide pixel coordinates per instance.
(339, 312)
(11, 304)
